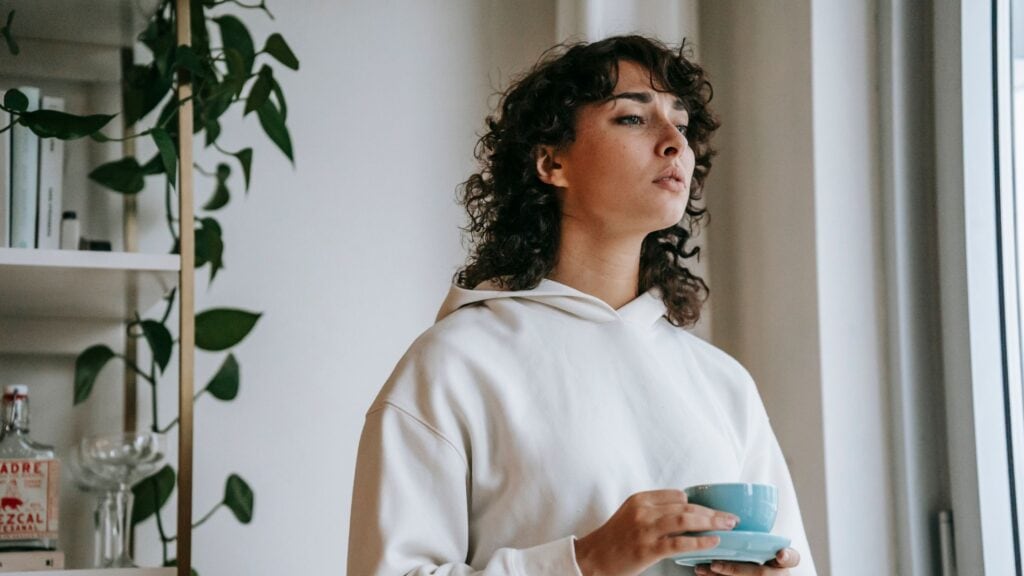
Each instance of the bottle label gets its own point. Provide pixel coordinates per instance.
(28, 499)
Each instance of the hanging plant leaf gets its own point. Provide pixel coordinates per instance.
(279, 49)
(224, 384)
(212, 131)
(236, 36)
(87, 368)
(200, 34)
(152, 493)
(168, 154)
(145, 87)
(273, 125)
(185, 57)
(239, 498)
(12, 46)
(160, 342)
(260, 90)
(245, 159)
(234, 80)
(124, 175)
(15, 100)
(279, 95)
(209, 246)
(154, 166)
(222, 328)
(56, 124)
(159, 36)
(220, 198)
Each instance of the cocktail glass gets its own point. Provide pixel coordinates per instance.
(119, 460)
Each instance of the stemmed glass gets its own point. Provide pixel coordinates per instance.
(104, 543)
(120, 460)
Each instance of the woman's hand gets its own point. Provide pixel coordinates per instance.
(779, 566)
(648, 527)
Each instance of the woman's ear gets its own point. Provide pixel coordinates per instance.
(549, 170)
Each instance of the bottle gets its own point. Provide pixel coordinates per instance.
(70, 231)
(29, 481)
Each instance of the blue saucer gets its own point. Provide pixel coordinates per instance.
(735, 546)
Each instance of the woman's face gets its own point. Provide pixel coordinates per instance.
(629, 170)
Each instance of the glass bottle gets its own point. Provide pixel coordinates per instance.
(29, 480)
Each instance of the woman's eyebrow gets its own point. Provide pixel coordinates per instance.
(644, 98)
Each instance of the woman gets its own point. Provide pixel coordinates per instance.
(547, 422)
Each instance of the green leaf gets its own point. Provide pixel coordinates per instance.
(144, 88)
(212, 131)
(160, 37)
(279, 49)
(8, 35)
(185, 57)
(279, 94)
(168, 154)
(124, 175)
(236, 36)
(245, 159)
(200, 34)
(154, 166)
(222, 328)
(152, 493)
(273, 125)
(56, 124)
(160, 342)
(224, 384)
(237, 74)
(87, 367)
(260, 90)
(239, 498)
(209, 245)
(220, 198)
(15, 100)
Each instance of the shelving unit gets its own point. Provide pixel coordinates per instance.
(59, 302)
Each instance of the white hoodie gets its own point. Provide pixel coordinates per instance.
(521, 420)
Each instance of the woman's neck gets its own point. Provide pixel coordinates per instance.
(605, 267)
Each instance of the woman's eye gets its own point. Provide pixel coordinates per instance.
(631, 120)
(682, 128)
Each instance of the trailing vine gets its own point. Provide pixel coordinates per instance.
(224, 76)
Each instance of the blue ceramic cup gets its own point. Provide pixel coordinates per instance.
(754, 504)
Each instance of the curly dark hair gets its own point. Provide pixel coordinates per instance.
(515, 218)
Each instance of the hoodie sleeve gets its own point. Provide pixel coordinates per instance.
(764, 463)
(410, 508)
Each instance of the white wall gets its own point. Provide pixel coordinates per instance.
(796, 253)
(349, 255)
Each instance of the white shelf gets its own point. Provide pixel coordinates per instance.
(46, 284)
(97, 22)
(101, 572)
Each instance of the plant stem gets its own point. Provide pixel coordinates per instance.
(170, 212)
(170, 303)
(174, 422)
(126, 138)
(153, 400)
(200, 522)
(135, 368)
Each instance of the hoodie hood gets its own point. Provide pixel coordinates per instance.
(645, 309)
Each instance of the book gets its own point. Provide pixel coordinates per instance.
(5, 179)
(24, 178)
(51, 182)
(30, 561)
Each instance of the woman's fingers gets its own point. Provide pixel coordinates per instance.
(785, 558)
(681, 544)
(690, 518)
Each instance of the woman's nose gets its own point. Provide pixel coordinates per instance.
(672, 141)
